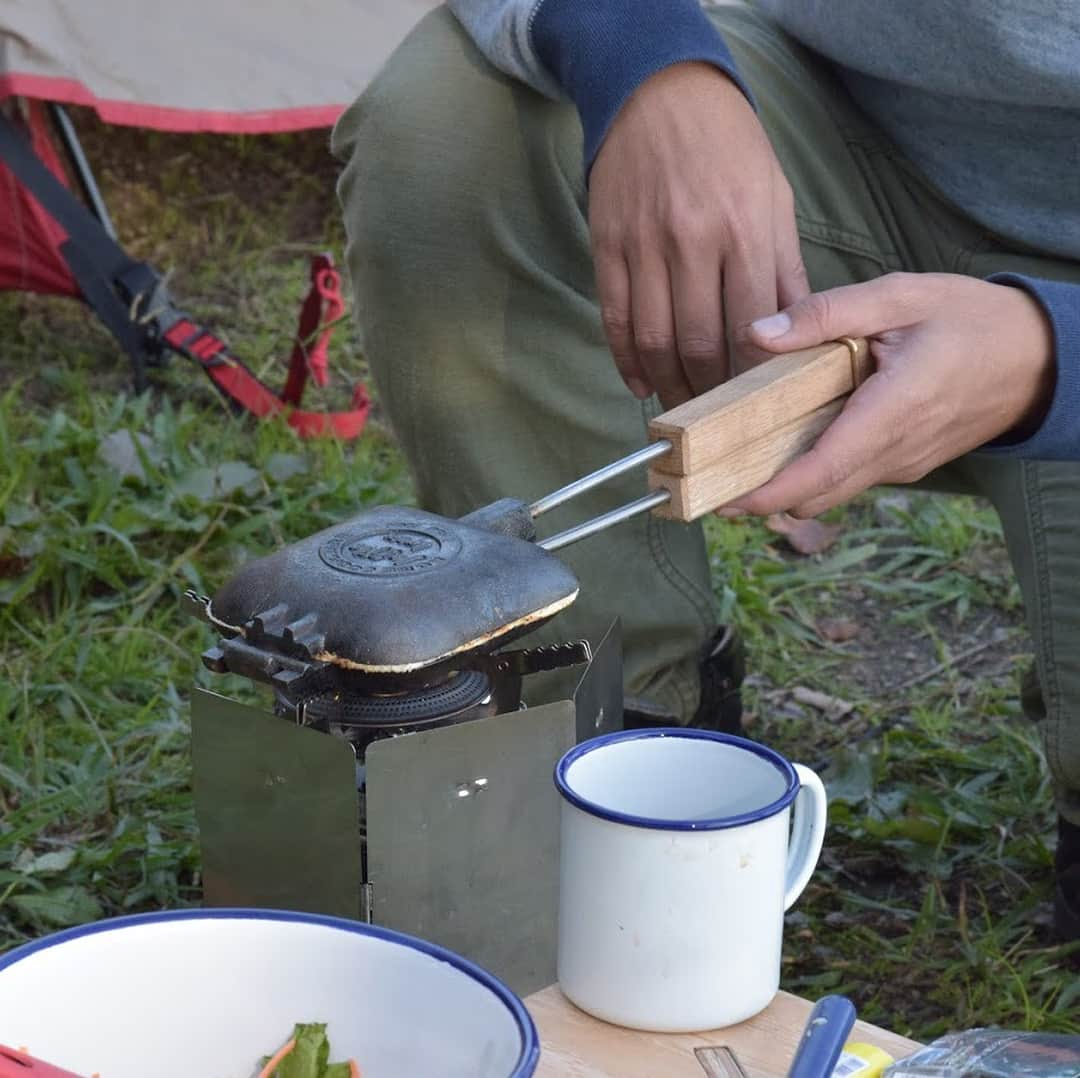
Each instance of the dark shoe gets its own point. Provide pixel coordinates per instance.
(1067, 874)
(723, 666)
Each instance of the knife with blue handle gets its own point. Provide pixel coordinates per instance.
(823, 1039)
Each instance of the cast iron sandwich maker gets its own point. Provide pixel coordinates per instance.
(398, 619)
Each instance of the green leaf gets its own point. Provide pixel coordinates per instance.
(232, 475)
(226, 478)
(916, 829)
(310, 1057)
(17, 515)
(46, 863)
(853, 779)
(311, 1054)
(60, 907)
(847, 558)
(1068, 998)
(198, 483)
(282, 466)
(122, 452)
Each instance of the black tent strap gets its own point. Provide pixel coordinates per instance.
(120, 289)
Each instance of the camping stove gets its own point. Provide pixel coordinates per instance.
(397, 776)
(360, 706)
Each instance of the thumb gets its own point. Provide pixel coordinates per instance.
(854, 310)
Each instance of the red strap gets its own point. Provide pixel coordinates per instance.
(344, 425)
(321, 310)
(322, 307)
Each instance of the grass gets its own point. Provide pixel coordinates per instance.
(931, 907)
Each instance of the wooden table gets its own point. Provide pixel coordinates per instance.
(575, 1045)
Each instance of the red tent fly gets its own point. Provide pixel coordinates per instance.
(254, 74)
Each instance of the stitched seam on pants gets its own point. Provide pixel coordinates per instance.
(1050, 688)
(685, 587)
(701, 602)
(842, 240)
(966, 255)
(863, 153)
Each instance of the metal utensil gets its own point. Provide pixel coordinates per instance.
(719, 1061)
(787, 404)
(594, 479)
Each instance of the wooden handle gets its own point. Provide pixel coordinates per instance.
(729, 441)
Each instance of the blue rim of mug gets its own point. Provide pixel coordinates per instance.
(528, 1039)
(719, 823)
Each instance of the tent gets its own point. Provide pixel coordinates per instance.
(251, 67)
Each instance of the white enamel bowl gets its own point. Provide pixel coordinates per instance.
(208, 992)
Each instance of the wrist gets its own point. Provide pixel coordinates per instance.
(1035, 359)
(689, 76)
(601, 52)
(670, 99)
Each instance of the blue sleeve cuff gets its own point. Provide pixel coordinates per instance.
(601, 51)
(1058, 437)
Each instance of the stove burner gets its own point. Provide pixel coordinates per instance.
(462, 692)
(391, 551)
(352, 708)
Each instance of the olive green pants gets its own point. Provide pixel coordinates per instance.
(465, 204)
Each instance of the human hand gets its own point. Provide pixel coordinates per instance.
(959, 362)
(693, 232)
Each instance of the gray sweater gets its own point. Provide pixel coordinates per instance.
(983, 96)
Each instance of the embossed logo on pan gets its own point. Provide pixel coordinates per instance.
(391, 551)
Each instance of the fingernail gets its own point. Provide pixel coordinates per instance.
(731, 511)
(776, 325)
(638, 388)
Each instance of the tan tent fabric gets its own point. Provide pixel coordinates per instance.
(201, 65)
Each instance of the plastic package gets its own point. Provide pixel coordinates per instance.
(993, 1053)
(859, 1060)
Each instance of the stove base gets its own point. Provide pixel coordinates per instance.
(462, 821)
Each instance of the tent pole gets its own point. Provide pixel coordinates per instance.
(81, 167)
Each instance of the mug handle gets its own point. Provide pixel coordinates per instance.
(807, 833)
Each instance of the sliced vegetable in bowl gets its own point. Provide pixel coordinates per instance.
(306, 1054)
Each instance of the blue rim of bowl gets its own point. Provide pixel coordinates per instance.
(719, 823)
(530, 1041)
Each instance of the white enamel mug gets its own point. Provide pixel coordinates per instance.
(681, 850)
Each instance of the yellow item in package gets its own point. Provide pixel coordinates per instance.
(859, 1060)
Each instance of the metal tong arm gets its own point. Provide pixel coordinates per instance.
(731, 439)
(594, 479)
